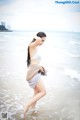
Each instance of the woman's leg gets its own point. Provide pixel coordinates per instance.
(34, 104)
(35, 92)
(41, 88)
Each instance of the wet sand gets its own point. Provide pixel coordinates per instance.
(62, 101)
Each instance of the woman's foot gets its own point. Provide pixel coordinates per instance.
(25, 111)
(34, 110)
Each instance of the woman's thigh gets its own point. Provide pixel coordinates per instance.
(40, 86)
(36, 91)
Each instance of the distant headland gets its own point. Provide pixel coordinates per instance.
(4, 29)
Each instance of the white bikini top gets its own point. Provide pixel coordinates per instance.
(36, 58)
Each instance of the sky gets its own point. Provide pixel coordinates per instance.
(40, 15)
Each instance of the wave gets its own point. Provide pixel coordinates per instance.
(67, 53)
(73, 74)
(74, 42)
(71, 54)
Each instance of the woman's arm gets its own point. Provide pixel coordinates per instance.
(35, 43)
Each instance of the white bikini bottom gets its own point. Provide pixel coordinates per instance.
(32, 83)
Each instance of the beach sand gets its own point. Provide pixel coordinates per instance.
(62, 82)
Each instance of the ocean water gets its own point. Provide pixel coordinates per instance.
(60, 56)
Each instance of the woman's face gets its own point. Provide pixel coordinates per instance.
(42, 40)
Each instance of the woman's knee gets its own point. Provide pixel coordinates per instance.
(43, 92)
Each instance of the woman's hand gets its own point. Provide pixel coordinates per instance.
(42, 70)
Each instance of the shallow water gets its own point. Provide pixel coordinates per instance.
(60, 55)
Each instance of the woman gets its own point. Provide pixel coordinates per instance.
(35, 71)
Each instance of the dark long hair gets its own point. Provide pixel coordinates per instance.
(39, 34)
